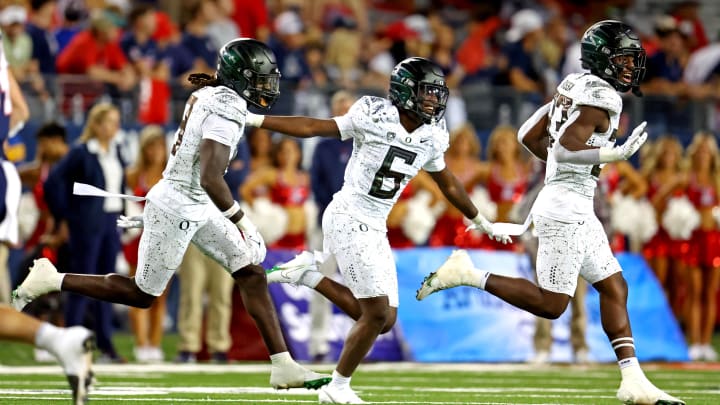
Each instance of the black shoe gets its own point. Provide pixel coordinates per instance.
(110, 358)
(185, 357)
(219, 358)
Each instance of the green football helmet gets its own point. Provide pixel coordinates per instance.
(417, 86)
(248, 66)
(607, 50)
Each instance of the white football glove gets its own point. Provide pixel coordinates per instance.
(253, 239)
(483, 225)
(634, 141)
(626, 150)
(130, 222)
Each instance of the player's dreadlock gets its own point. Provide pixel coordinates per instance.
(200, 80)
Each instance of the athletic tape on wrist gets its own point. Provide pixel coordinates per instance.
(234, 209)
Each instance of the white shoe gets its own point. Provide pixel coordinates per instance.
(73, 350)
(582, 356)
(541, 357)
(139, 354)
(42, 279)
(293, 375)
(155, 354)
(642, 391)
(332, 394)
(457, 270)
(292, 271)
(43, 356)
(709, 353)
(696, 352)
(142, 354)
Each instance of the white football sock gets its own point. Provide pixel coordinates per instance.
(47, 336)
(630, 368)
(338, 380)
(281, 358)
(478, 278)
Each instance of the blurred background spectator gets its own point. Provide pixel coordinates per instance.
(147, 324)
(94, 245)
(326, 178)
(95, 52)
(286, 185)
(203, 280)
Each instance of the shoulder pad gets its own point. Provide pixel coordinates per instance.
(372, 106)
(224, 102)
(587, 89)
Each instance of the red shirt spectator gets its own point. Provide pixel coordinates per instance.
(687, 16)
(95, 52)
(251, 17)
(165, 28)
(474, 53)
(85, 51)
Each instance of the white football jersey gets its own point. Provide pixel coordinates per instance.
(216, 113)
(385, 157)
(577, 89)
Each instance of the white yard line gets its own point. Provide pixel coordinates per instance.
(400, 367)
(273, 401)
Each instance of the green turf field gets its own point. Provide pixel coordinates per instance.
(24, 382)
(393, 383)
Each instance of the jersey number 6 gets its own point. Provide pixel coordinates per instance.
(385, 172)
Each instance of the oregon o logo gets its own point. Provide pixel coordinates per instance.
(184, 225)
(363, 227)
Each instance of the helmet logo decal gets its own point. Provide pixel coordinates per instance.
(390, 136)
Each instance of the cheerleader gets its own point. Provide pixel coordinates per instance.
(703, 257)
(665, 179)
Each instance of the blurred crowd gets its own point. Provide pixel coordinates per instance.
(70, 53)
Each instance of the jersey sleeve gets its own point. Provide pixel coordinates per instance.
(441, 142)
(596, 92)
(220, 129)
(225, 103)
(436, 163)
(358, 117)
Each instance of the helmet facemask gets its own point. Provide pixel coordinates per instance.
(262, 90)
(626, 76)
(430, 101)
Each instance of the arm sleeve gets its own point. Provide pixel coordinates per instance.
(532, 121)
(219, 129)
(351, 124)
(583, 157)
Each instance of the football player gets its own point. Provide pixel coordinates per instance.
(575, 134)
(393, 138)
(192, 203)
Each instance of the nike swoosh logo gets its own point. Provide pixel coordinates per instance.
(424, 140)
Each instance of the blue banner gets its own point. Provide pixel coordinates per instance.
(292, 305)
(467, 324)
